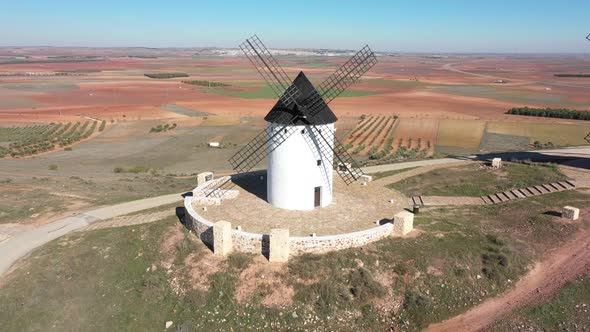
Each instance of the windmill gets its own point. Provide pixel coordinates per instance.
(300, 138)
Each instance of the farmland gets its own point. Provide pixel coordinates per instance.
(380, 139)
(31, 140)
(389, 138)
(151, 139)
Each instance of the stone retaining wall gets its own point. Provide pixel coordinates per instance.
(323, 244)
(259, 243)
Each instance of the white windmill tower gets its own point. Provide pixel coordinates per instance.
(300, 139)
(299, 176)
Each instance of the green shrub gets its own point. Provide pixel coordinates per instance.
(135, 169)
(162, 128)
(53, 167)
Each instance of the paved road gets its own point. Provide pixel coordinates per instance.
(24, 242)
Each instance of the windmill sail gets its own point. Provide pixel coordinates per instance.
(345, 165)
(297, 107)
(256, 150)
(349, 73)
(269, 69)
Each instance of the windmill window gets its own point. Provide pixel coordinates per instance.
(319, 162)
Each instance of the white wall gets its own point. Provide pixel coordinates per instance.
(292, 168)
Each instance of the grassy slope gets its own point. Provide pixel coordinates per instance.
(40, 196)
(98, 280)
(569, 310)
(380, 175)
(472, 181)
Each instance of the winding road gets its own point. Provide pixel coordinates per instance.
(26, 241)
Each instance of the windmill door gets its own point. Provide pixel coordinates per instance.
(317, 196)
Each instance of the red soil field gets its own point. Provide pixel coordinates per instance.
(406, 85)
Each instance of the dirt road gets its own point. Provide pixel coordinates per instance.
(450, 67)
(564, 264)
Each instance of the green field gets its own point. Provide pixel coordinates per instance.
(266, 92)
(472, 181)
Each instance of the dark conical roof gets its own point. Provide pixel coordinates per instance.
(283, 115)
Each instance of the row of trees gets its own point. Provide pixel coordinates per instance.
(571, 75)
(211, 84)
(25, 141)
(166, 75)
(162, 128)
(562, 113)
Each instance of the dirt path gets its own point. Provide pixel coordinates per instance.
(561, 265)
(24, 242)
(450, 67)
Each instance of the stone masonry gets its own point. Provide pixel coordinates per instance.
(279, 245)
(570, 212)
(222, 241)
(204, 177)
(497, 163)
(403, 223)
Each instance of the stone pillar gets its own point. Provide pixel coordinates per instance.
(403, 223)
(222, 244)
(279, 245)
(366, 178)
(496, 162)
(204, 177)
(570, 212)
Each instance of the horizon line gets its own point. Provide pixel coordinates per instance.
(304, 48)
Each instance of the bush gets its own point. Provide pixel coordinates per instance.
(69, 148)
(135, 169)
(418, 307)
(162, 128)
(53, 167)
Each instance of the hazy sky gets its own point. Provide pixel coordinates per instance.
(422, 26)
